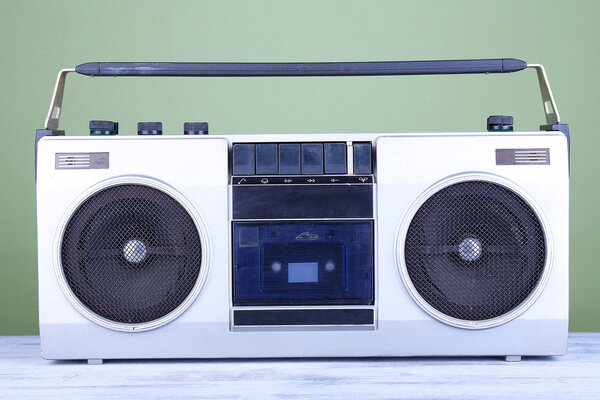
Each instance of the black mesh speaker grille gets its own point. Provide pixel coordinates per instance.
(131, 253)
(475, 250)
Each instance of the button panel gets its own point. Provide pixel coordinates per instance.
(300, 158)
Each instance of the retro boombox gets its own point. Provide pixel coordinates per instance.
(302, 245)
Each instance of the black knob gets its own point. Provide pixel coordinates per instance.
(149, 128)
(98, 128)
(195, 128)
(500, 123)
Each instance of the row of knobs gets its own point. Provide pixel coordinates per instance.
(99, 128)
(495, 123)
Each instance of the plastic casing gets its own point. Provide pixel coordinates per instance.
(406, 166)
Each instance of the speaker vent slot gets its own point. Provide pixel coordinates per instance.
(81, 161)
(523, 156)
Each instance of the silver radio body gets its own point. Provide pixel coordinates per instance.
(303, 245)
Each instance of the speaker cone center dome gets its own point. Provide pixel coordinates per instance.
(135, 251)
(470, 249)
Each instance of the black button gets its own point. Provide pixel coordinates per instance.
(195, 128)
(243, 159)
(362, 158)
(149, 128)
(104, 128)
(500, 123)
(266, 159)
(289, 159)
(335, 158)
(312, 158)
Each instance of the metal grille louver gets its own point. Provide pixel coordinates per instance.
(131, 254)
(523, 156)
(474, 251)
(81, 160)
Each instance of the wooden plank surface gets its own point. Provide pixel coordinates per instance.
(23, 374)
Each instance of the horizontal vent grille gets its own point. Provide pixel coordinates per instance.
(81, 161)
(523, 156)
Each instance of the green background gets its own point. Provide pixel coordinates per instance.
(38, 38)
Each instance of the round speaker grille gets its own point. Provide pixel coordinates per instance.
(475, 251)
(131, 253)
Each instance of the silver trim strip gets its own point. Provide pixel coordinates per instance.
(350, 158)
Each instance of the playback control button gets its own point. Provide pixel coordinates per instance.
(312, 158)
(335, 158)
(362, 158)
(289, 158)
(243, 159)
(266, 159)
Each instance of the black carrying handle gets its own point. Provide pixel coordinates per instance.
(498, 65)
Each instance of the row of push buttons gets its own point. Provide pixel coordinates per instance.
(299, 158)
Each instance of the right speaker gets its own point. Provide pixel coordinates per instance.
(474, 252)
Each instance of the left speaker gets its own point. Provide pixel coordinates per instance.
(130, 254)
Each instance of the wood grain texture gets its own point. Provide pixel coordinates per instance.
(23, 374)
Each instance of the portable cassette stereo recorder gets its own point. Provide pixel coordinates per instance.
(302, 245)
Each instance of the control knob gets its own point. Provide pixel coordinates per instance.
(149, 128)
(195, 128)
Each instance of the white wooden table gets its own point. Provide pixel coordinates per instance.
(23, 374)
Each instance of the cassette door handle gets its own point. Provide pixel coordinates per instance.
(206, 69)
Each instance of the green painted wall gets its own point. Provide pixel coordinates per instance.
(37, 38)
